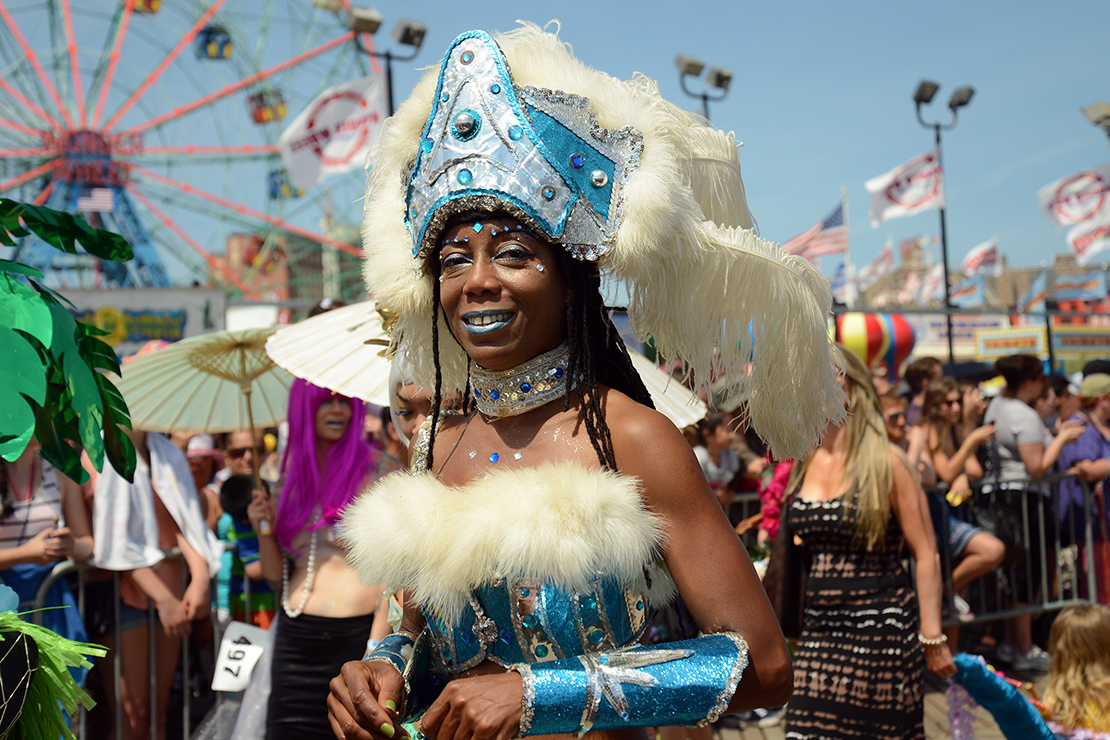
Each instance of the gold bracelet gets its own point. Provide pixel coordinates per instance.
(932, 640)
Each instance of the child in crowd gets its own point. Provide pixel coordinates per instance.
(1078, 694)
(235, 527)
(714, 451)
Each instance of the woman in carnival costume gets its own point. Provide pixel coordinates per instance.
(539, 529)
(326, 614)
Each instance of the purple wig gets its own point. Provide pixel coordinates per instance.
(304, 489)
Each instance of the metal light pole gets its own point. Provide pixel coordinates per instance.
(961, 97)
(717, 78)
(406, 32)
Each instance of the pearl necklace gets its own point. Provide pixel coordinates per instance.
(524, 387)
(310, 577)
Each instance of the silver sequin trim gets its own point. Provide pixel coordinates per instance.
(733, 679)
(528, 701)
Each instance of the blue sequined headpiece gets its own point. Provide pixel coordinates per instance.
(538, 154)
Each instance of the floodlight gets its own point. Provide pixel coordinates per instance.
(961, 97)
(1099, 114)
(409, 33)
(718, 77)
(688, 65)
(364, 20)
(925, 92)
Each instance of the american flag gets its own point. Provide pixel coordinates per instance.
(824, 237)
(99, 200)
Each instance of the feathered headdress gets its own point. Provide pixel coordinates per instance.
(615, 174)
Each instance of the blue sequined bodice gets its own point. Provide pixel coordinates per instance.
(515, 621)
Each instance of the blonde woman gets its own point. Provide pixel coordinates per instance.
(858, 668)
(1078, 694)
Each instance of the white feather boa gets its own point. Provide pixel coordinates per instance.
(703, 285)
(560, 524)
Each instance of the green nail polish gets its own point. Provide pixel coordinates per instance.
(391, 705)
(387, 729)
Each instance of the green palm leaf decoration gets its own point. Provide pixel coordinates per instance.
(54, 387)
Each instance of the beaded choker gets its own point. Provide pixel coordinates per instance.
(522, 388)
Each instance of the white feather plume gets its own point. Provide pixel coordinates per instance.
(703, 285)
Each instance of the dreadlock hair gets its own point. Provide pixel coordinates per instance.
(598, 356)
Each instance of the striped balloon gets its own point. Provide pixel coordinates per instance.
(877, 338)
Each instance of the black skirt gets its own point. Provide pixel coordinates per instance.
(309, 651)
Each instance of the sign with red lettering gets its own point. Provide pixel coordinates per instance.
(335, 132)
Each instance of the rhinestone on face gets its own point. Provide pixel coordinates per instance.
(599, 179)
(548, 192)
(577, 162)
(464, 177)
(473, 453)
(494, 457)
(495, 88)
(477, 227)
(515, 132)
(517, 456)
(467, 57)
(541, 651)
(427, 145)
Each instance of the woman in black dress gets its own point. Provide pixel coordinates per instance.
(858, 669)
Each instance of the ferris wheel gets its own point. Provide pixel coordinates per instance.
(160, 121)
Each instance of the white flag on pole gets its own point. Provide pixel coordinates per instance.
(335, 132)
(1091, 237)
(1076, 199)
(910, 289)
(932, 286)
(984, 258)
(909, 188)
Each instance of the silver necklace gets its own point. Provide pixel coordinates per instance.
(523, 388)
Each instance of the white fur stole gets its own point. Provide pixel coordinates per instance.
(556, 523)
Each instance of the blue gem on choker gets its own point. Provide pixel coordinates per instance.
(495, 394)
(522, 388)
(525, 387)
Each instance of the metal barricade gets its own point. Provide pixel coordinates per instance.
(1048, 574)
(68, 567)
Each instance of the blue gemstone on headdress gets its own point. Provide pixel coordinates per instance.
(495, 394)
(494, 457)
(576, 161)
(465, 176)
(427, 145)
(445, 97)
(477, 226)
(515, 132)
(525, 387)
(548, 192)
(467, 57)
(495, 88)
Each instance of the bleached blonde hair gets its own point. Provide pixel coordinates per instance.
(868, 473)
(1078, 693)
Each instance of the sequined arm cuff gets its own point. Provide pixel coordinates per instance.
(679, 683)
(413, 659)
(395, 649)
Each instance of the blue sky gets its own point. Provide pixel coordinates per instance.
(822, 98)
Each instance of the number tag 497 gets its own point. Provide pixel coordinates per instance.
(240, 649)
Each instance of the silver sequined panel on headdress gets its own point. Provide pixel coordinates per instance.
(539, 154)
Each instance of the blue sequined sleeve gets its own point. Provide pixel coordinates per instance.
(681, 683)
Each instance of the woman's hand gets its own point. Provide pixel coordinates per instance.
(939, 660)
(363, 701)
(959, 492)
(175, 620)
(979, 436)
(261, 512)
(476, 708)
(1071, 430)
(196, 601)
